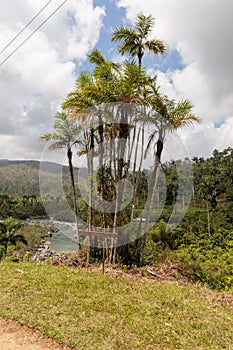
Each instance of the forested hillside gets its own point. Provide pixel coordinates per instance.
(21, 177)
(20, 190)
(211, 206)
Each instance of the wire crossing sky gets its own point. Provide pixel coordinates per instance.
(35, 77)
(25, 27)
(29, 36)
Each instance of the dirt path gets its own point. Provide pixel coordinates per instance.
(14, 336)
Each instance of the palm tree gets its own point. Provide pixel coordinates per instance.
(166, 115)
(65, 136)
(8, 236)
(135, 41)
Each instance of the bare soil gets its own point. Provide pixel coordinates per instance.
(14, 336)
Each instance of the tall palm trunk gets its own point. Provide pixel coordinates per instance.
(151, 191)
(71, 170)
(140, 55)
(90, 156)
(102, 166)
(136, 180)
(123, 135)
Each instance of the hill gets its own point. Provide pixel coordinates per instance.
(21, 177)
(20, 189)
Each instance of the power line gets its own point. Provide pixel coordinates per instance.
(25, 27)
(18, 47)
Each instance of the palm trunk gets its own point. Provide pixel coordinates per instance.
(123, 135)
(69, 155)
(102, 165)
(151, 192)
(90, 174)
(136, 181)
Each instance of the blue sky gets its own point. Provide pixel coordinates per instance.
(35, 80)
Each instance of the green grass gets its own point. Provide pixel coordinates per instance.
(94, 311)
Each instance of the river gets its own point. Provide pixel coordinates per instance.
(64, 241)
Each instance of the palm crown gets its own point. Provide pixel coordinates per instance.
(136, 40)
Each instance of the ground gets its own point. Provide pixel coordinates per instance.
(14, 336)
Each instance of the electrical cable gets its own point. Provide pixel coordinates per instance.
(20, 45)
(25, 27)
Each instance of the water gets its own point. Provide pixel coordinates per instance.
(64, 240)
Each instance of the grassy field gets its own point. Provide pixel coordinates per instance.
(90, 311)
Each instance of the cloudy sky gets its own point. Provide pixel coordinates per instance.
(36, 78)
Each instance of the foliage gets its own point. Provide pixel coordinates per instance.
(33, 234)
(135, 41)
(9, 235)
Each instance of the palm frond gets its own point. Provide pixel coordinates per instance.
(83, 79)
(184, 120)
(144, 24)
(156, 46)
(129, 46)
(96, 57)
(122, 33)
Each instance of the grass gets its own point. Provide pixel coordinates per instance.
(89, 310)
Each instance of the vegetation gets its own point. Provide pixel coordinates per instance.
(114, 104)
(20, 190)
(9, 235)
(95, 311)
(20, 240)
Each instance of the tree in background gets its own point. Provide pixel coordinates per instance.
(8, 234)
(166, 116)
(65, 137)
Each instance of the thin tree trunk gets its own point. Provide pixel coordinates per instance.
(123, 135)
(138, 173)
(208, 217)
(5, 249)
(69, 155)
(151, 191)
(90, 156)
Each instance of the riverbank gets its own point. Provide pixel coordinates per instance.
(59, 239)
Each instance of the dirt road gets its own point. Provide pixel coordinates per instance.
(14, 336)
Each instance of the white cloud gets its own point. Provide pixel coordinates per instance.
(34, 81)
(201, 31)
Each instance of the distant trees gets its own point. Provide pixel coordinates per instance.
(8, 234)
(20, 206)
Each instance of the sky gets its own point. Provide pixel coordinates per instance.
(36, 78)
